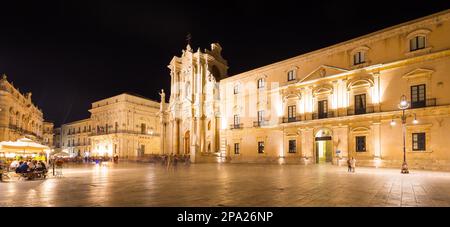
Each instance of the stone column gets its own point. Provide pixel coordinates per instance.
(376, 139)
(376, 92)
(217, 135)
(307, 147)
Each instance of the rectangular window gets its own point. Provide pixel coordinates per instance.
(291, 112)
(236, 89)
(418, 96)
(260, 147)
(236, 120)
(323, 109)
(260, 116)
(261, 83)
(291, 75)
(143, 128)
(292, 146)
(360, 144)
(237, 148)
(360, 104)
(418, 141)
(417, 43)
(358, 58)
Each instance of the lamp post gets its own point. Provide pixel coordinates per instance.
(403, 105)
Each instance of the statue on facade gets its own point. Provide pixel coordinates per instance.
(163, 99)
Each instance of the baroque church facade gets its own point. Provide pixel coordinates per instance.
(324, 106)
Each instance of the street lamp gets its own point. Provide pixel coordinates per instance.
(403, 105)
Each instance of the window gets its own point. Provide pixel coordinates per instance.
(143, 128)
(260, 116)
(418, 141)
(236, 89)
(323, 109)
(360, 104)
(358, 58)
(292, 146)
(236, 148)
(417, 43)
(261, 83)
(360, 144)
(418, 96)
(236, 120)
(291, 112)
(260, 147)
(291, 75)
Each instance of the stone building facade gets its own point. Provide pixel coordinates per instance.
(75, 138)
(126, 125)
(19, 116)
(321, 107)
(48, 134)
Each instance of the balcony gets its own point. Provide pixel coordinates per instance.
(291, 119)
(316, 116)
(122, 132)
(260, 123)
(367, 110)
(236, 126)
(425, 103)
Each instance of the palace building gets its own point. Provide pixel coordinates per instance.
(19, 116)
(324, 106)
(126, 125)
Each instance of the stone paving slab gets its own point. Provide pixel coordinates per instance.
(132, 184)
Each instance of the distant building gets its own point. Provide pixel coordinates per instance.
(126, 125)
(19, 116)
(48, 134)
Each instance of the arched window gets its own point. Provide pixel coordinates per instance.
(261, 83)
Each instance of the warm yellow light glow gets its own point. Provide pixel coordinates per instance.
(224, 123)
(393, 123)
(279, 106)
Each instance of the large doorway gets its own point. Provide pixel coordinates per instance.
(187, 142)
(323, 146)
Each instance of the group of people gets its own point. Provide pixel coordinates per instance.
(27, 166)
(351, 163)
(172, 160)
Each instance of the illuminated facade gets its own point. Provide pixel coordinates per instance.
(48, 134)
(19, 117)
(75, 140)
(323, 106)
(125, 125)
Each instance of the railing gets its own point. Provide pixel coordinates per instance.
(260, 123)
(236, 126)
(123, 132)
(425, 103)
(368, 109)
(291, 119)
(323, 115)
(22, 131)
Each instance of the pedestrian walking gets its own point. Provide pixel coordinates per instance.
(353, 163)
(349, 165)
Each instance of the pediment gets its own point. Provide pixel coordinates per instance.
(322, 72)
(420, 72)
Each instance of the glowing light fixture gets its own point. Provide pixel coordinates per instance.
(393, 122)
(415, 121)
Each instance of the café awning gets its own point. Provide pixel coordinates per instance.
(22, 146)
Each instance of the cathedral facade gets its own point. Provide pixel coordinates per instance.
(380, 98)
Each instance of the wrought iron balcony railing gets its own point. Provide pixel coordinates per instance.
(368, 109)
(322, 115)
(291, 119)
(236, 126)
(260, 123)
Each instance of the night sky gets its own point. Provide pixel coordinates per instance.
(71, 53)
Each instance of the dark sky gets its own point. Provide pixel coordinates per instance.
(71, 53)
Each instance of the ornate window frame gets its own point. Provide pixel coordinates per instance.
(364, 50)
(419, 76)
(361, 131)
(419, 32)
(424, 128)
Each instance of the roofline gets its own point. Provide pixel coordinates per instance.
(341, 43)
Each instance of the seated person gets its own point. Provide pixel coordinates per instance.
(23, 168)
(14, 164)
(40, 166)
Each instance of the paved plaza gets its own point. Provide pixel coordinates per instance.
(132, 184)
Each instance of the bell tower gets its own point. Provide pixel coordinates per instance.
(192, 117)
